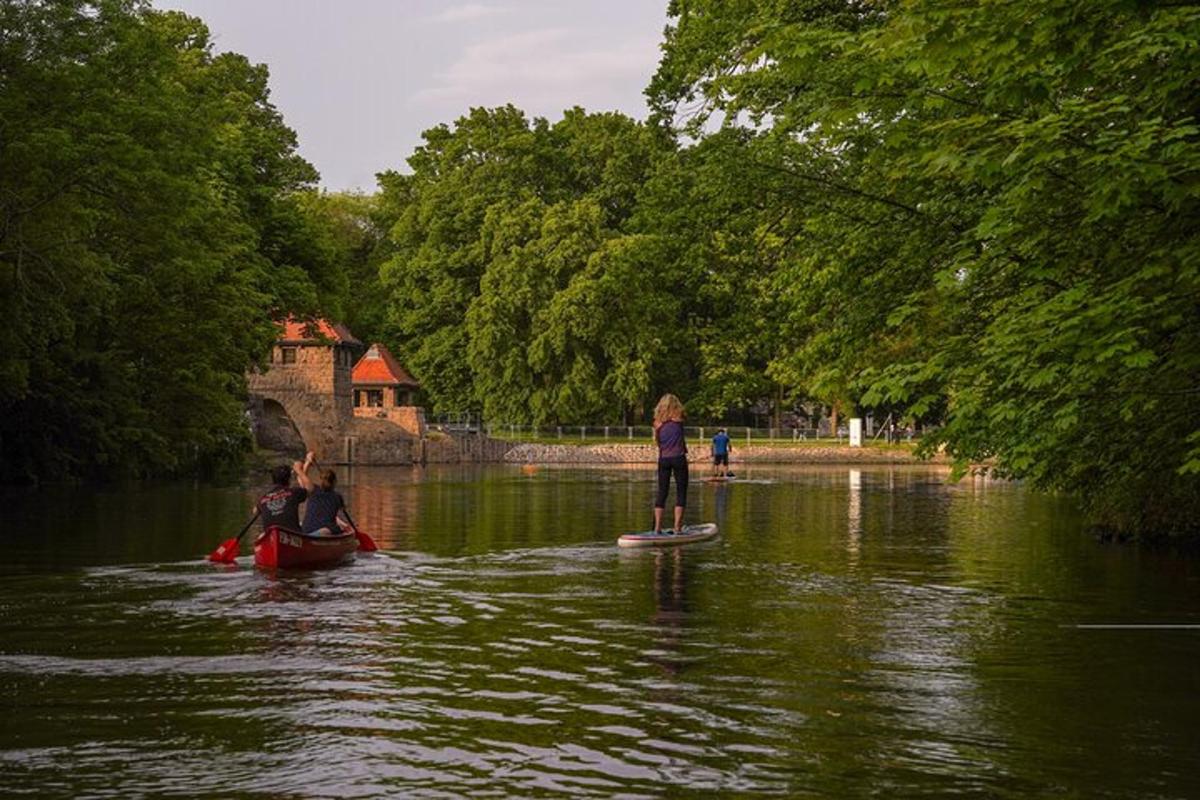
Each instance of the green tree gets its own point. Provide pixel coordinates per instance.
(141, 182)
(510, 225)
(997, 207)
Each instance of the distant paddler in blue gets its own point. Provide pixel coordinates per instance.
(672, 459)
(721, 447)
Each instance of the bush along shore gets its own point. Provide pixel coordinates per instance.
(566, 453)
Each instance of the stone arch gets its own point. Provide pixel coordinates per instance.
(274, 429)
(293, 423)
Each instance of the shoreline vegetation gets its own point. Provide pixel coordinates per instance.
(983, 221)
(600, 452)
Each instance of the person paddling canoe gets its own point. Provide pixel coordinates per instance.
(672, 458)
(280, 506)
(324, 504)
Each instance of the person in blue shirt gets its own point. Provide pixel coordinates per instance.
(720, 452)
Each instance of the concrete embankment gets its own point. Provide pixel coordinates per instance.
(647, 454)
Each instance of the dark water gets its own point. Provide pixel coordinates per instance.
(865, 633)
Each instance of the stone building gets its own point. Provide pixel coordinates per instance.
(304, 400)
(383, 389)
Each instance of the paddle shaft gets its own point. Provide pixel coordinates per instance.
(257, 511)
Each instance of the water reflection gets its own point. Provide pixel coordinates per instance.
(851, 632)
(854, 516)
(670, 610)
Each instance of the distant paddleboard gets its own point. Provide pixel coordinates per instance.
(720, 478)
(690, 533)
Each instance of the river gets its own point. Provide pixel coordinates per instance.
(852, 633)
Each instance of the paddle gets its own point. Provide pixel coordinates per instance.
(227, 552)
(365, 543)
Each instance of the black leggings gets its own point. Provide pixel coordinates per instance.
(679, 466)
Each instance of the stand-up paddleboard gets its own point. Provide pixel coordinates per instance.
(690, 533)
(720, 478)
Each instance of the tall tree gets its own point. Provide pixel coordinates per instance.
(510, 225)
(999, 214)
(141, 181)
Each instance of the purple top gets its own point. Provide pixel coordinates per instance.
(670, 440)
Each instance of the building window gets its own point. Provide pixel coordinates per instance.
(288, 355)
(375, 398)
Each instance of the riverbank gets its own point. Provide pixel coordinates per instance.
(538, 453)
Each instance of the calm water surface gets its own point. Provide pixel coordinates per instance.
(852, 633)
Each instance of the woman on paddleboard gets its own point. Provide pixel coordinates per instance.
(672, 459)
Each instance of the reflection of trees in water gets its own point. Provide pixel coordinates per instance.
(721, 503)
(385, 502)
(670, 610)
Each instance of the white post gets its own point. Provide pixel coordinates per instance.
(856, 429)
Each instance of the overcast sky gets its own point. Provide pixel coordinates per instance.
(359, 80)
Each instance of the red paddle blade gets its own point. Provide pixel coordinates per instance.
(226, 553)
(366, 543)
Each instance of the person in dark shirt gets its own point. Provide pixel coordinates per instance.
(672, 459)
(324, 503)
(720, 453)
(280, 506)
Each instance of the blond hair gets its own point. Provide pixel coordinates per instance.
(669, 409)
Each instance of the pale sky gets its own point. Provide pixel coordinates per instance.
(359, 80)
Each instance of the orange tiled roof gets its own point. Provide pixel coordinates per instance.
(297, 330)
(379, 367)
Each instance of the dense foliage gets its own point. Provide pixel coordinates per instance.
(518, 285)
(149, 229)
(993, 208)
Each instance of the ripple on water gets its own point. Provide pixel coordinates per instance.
(790, 657)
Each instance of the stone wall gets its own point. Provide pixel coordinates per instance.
(445, 448)
(315, 391)
(410, 419)
(378, 442)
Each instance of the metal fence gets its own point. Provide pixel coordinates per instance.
(616, 434)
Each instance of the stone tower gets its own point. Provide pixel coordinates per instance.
(305, 399)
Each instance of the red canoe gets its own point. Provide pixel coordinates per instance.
(279, 547)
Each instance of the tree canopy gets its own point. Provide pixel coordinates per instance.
(150, 232)
(517, 284)
(994, 210)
